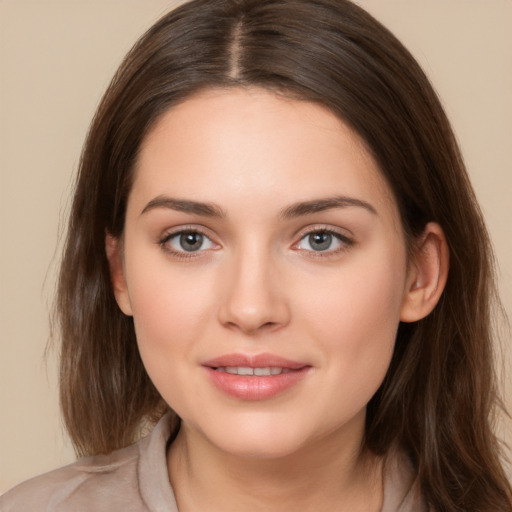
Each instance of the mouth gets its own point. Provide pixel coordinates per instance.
(245, 364)
(248, 371)
(254, 377)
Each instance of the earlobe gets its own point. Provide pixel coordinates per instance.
(427, 275)
(113, 249)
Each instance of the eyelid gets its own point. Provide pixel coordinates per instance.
(343, 233)
(179, 230)
(345, 239)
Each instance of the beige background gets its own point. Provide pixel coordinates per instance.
(57, 57)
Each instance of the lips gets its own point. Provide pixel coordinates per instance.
(247, 370)
(255, 377)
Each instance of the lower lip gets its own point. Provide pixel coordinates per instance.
(255, 387)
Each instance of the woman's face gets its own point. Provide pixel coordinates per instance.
(265, 267)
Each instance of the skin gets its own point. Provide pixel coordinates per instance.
(257, 285)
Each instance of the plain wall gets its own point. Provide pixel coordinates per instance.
(56, 59)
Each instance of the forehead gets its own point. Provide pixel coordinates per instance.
(251, 143)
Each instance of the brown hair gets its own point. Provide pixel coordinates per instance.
(439, 396)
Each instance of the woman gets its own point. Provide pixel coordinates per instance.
(272, 251)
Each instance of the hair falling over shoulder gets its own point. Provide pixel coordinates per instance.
(439, 399)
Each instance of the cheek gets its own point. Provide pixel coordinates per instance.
(355, 317)
(169, 317)
(365, 296)
(171, 309)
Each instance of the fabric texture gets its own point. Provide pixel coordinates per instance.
(135, 479)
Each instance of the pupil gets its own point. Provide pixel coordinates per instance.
(320, 241)
(191, 241)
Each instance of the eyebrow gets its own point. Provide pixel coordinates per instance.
(320, 205)
(186, 206)
(295, 210)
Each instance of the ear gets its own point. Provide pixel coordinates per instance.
(113, 248)
(427, 274)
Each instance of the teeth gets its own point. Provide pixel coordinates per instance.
(246, 370)
(262, 371)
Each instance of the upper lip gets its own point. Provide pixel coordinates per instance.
(253, 361)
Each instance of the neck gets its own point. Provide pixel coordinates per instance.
(329, 473)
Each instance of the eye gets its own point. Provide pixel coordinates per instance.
(323, 241)
(187, 241)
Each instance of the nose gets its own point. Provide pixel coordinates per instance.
(254, 295)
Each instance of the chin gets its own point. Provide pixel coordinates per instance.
(265, 446)
(269, 436)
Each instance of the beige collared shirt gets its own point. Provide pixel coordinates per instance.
(135, 479)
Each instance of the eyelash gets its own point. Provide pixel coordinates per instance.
(184, 255)
(345, 241)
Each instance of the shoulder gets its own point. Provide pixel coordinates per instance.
(133, 479)
(93, 483)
